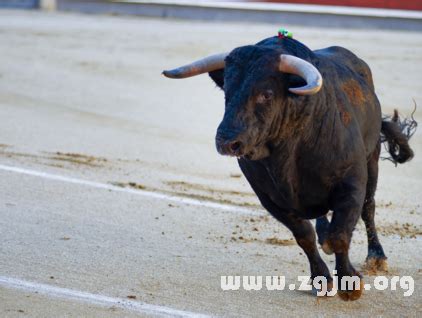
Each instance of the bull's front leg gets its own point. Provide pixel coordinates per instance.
(347, 201)
(304, 233)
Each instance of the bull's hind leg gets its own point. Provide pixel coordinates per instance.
(322, 226)
(376, 259)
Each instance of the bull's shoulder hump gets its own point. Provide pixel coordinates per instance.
(339, 56)
(335, 52)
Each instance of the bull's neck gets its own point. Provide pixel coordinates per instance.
(311, 124)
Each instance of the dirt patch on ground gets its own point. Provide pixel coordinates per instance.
(280, 242)
(185, 186)
(403, 230)
(55, 159)
(77, 158)
(213, 193)
(269, 240)
(132, 185)
(261, 229)
(201, 197)
(12, 154)
(384, 204)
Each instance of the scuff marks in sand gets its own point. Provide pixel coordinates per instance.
(208, 194)
(55, 159)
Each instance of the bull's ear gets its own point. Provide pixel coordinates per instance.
(218, 77)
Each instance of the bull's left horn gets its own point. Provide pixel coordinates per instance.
(294, 65)
(205, 65)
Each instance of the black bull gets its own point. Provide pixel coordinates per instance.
(307, 134)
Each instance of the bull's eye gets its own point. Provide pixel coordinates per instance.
(265, 96)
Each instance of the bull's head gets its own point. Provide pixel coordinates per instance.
(259, 85)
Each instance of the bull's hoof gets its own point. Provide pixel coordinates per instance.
(350, 295)
(326, 247)
(373, 265)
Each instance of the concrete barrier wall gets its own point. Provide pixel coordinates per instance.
(241, 12)
(24, 4)
(321, 16)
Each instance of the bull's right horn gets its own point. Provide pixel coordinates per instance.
(294, 65)
(205, 65)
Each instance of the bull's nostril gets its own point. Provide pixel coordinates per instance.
(230, 147)
(235, 146)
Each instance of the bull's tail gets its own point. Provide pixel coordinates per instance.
(395, 135)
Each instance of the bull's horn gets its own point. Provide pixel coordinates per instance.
(294, 65)
(207, 64)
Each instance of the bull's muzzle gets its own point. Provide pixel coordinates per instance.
(233, 147)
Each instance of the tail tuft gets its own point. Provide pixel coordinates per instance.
(395, 135)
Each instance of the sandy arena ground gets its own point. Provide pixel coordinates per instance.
(81, 96)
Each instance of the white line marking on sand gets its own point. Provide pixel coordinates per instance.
(95, 299)
(146, 193)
